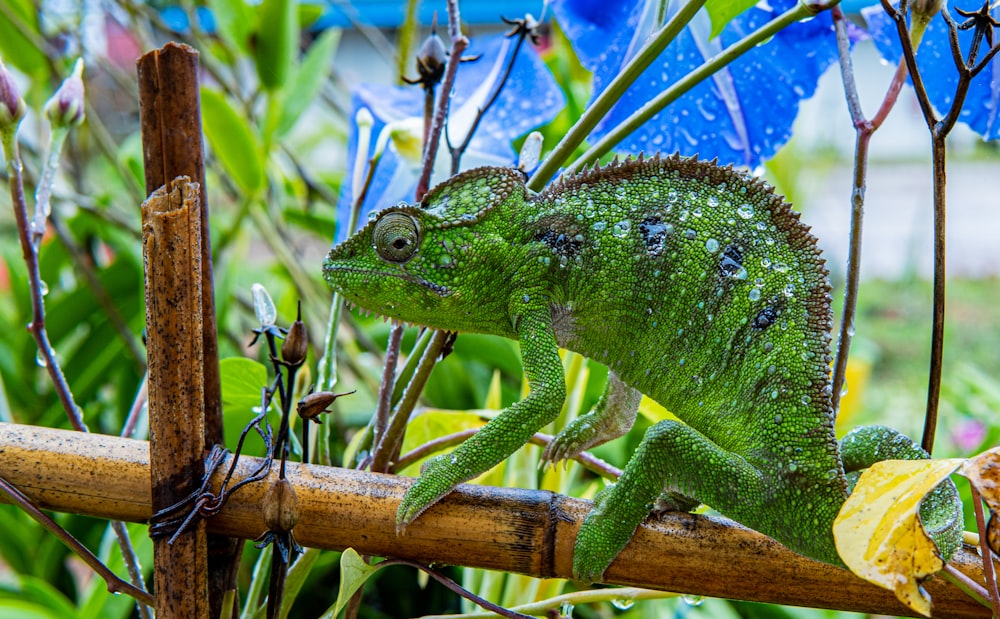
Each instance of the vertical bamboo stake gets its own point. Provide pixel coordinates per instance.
(171, 252)
(172, 146)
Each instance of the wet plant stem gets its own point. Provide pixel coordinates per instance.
(864, 130)
(612, 94)
(47, 355)
(115, 584)
(654, 106)
(939, 129)
(388, 447)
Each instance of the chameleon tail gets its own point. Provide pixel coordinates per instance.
(941, 510)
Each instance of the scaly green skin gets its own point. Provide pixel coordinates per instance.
(693, 283)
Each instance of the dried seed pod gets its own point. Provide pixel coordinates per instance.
(296, 344)
(281, 506)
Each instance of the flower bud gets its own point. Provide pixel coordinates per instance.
(12, 106)
(431, 60)
(922, 13)
(296, 345)
(280, 507)
(65, 108)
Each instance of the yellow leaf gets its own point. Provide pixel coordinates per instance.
(654, 411)
(878, 531)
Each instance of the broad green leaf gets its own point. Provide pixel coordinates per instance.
(33, 597)
(309, 77)
(242, 380)
(231, 137)
(878, 531)
(721, 12)
(353, 574)
(277, 42)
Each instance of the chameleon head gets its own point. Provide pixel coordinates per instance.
(431, 263)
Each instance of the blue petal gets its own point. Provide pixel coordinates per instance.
(530, 98)
(937, 68)
(743, 113)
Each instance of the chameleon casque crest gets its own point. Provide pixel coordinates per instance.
(694, 284)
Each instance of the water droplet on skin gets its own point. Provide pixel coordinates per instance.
(754, 294)
(790, 290)
(777, 418)
(712, 201)
(454, 459)
(792, 467)
(621, 229)
(690, 233)
(774, 394)
(599, 226)
(806, 399)
(712, 245)
(745, 211)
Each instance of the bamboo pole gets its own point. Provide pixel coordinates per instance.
(171, 255)
(170, 109)
(525, 531)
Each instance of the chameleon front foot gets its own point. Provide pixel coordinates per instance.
(436, 480)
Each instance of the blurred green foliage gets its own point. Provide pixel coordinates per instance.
(273, 113)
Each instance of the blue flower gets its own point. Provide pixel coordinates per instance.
(530, 98)
(937, 68)
(741, 115)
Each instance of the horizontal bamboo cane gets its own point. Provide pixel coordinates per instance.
(525, 531)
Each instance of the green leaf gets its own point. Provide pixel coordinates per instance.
(309, 77)
(234, 19)
(353, 574)
(297, 575)
(16, 47)
(721, 12)
(233, 141)
(242, 380)
(277, 42)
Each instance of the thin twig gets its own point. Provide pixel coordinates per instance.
(984, 549)
(458, 44)
(37, 325)
(385, 388)
(387, 448)
(654, 106)
(457, 588)
(613, 93)
(131, 560)
(115, 584)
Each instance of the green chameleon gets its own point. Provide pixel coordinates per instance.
(695, 284)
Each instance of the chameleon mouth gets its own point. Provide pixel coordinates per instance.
(438, 289)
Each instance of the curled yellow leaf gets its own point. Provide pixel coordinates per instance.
(878, 531)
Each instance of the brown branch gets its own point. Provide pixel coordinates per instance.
(524, 531)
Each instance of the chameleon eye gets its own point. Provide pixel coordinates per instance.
(395, 237)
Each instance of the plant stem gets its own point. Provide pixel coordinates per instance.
(689, 81)
(458, 44)
(115, 584)
(37, 325)
(614, 91)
